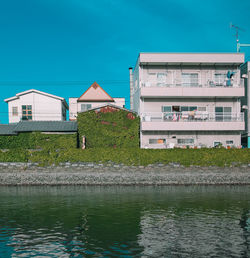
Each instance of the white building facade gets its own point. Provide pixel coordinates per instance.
(36, 105)
(93, 97)
(188, 100)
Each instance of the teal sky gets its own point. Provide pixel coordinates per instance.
(63, 46)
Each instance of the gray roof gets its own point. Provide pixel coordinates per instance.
(38, 126)
(7, 129)
(46, 126)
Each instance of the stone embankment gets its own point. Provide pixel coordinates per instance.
(113, 174)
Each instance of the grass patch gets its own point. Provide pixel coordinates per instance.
(132, 156)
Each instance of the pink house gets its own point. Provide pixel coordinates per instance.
(95, 96)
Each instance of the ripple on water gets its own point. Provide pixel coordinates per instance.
(125, 222)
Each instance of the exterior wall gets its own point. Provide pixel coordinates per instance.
(120, 102)
(245, 69)
(75, 106)
(135, 91)
(158, 81)
(72, 108)
(11, 104)
(201, 139)
(43, 108)
(193, 92)
(193, 126)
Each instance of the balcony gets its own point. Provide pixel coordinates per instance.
(192, 121)
(225, 89)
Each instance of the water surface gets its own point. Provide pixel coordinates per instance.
(194, 221)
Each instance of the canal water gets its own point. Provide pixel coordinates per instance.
(193, 221)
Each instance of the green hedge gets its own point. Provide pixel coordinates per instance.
(113, 130)
(17, 155)
(133, 156)
(37, 140)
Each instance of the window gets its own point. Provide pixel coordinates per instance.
(188, 108)
(223, 113)
(220, 78)
(217, 144)
(185, 141)
(14, 111)
(157, 141)
(166, 108)
(169, 109)
(26, 112)
(230, 142)
(190, 79)
(204, 109)
(85, 107)
(161, 77)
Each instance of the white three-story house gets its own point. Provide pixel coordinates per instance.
(190, 99)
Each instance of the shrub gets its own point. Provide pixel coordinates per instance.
(37, 140)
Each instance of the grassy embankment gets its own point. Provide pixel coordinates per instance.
(109, 137)
(132, 156)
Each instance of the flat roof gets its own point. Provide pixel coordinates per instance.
(192, 58)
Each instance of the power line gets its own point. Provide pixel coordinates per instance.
(61, 83)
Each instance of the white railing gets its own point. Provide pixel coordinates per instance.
(192, 116)
(210, 84)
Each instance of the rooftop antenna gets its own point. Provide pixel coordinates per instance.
(238, 44)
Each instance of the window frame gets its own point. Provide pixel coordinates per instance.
(88, 106)
(219, 143)
(185, 143)
(15, 113)
(189, 81)
(27, 113)
(157, 141)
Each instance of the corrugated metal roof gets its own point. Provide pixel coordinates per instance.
(7, 129)
(46, 126)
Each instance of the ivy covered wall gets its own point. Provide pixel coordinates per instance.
(112, 129)
(37, 140)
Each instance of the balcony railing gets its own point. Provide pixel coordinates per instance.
(210, 84)
(192, 116)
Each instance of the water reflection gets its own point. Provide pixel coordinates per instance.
(125, 221)
(203, 234)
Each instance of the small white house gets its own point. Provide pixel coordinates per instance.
(36, 106)
(95, 96)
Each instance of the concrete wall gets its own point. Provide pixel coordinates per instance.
(44, 108)
(245, 69)
(204, 139)
(135, 91)
(193, 126)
